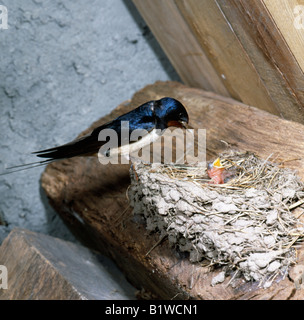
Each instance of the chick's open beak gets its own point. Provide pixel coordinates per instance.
(217, 163)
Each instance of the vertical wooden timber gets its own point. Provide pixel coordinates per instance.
(256, 28)
(252, 48)
(180, 45)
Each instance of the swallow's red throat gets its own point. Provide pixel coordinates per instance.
(174, 123)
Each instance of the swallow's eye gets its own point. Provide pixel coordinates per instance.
(180, 115)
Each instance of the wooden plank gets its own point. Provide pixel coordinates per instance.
(275, 63)
(290, 22)
(40, 267)
(218, 39)
(252, 46)
(183, 50)
(91, 198)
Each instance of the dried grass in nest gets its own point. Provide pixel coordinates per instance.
(245, 225)
(250, 172)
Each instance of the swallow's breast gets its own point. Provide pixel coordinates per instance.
(133, 146)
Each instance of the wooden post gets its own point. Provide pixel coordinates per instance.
(252, 48)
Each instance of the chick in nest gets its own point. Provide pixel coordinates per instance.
(217, 172)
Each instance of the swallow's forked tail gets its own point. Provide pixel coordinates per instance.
(26, 166)
(87, 145)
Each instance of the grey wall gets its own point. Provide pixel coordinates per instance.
(63, 65)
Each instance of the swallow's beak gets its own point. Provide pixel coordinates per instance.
(180, 123)
(184, 124)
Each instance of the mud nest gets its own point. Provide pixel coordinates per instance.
(247, 225)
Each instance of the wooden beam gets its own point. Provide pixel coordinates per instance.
(289, 21)
(218, 39)
(180, 45)
(275, 63)
(252, 47)
(91, 198)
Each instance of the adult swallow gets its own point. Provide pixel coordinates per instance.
(148, 117)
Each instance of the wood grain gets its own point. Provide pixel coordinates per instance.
(180, 45)
(270, 54)
(91, 198)
(225, 51)
(251, 46)
(284, 14)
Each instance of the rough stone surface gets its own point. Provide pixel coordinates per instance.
(64, 64)
(42, 267)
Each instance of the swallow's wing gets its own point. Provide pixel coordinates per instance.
(90, 144)
(139, 118)
(85, 146)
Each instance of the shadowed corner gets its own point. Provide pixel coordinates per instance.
(152, 42)
(54, 222)
(68, 227)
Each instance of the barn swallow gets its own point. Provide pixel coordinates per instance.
(156, 114)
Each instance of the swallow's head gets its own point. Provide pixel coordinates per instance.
(170, 113)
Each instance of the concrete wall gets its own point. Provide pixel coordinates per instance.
(63, 65)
